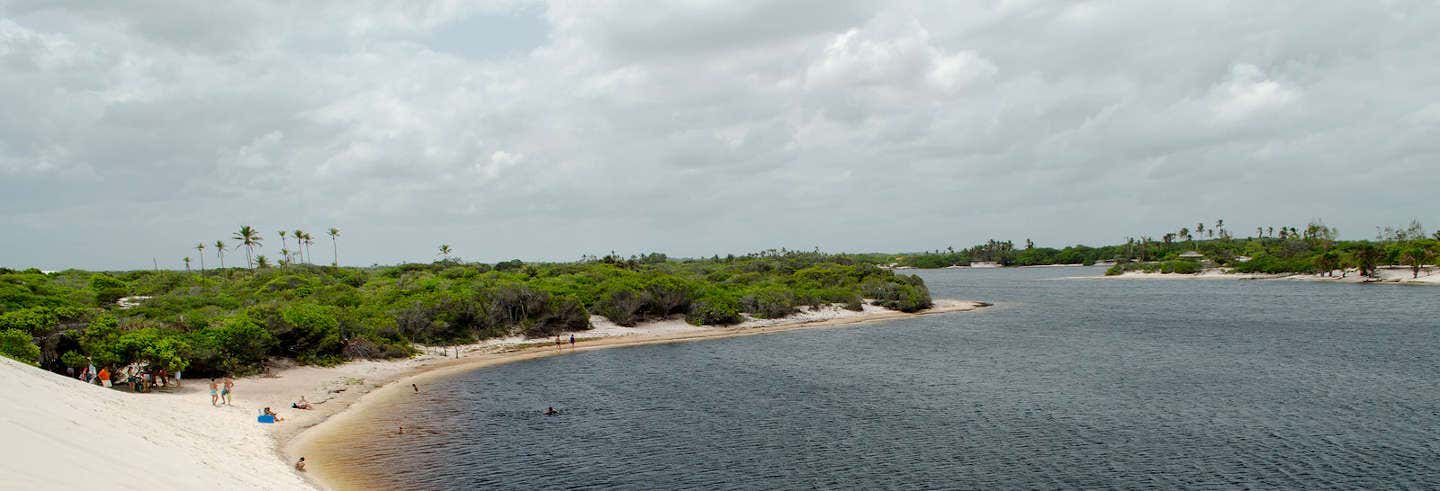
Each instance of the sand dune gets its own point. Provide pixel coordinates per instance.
(59, 433)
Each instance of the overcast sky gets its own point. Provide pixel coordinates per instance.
(132, 130)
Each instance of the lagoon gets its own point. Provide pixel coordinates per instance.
(1064, 383)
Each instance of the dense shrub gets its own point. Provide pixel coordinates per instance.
(717, 310)
(769, 303)
(911, 295)
(232, 320)
(17, 345)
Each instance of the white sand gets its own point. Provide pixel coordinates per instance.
(59, 433)
(1386, 274)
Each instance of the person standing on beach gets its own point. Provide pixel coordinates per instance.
(225, 392)
(572, 341)
(214, 393)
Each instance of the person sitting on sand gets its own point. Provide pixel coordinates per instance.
(550, 411)
(272, 413)
(300, 465)
(303, 404)
(417, 388)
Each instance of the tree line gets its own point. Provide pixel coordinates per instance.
(207, 323)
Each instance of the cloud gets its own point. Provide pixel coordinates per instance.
(546, 130)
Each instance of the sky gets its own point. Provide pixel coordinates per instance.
(132, 130)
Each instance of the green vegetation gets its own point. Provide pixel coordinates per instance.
(230, 320)
(1315, 249)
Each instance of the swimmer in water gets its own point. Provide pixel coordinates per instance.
(550, 411)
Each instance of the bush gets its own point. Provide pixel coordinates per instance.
(237, 345)
(715, 310)
(1180, 266)
(19, 346)
(909, 296)
(1115, 270)
(32, 321)
(769, 303)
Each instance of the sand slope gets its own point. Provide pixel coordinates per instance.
(59, 433)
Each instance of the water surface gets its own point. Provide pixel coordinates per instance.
(1063, 384)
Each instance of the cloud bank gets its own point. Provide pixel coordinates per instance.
(134, 130)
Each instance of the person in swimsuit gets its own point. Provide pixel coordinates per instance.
(417, 389)
(572, 340)
(214, 393)
(550, 411)
(225, 392)
(272, 413)
(300, 465)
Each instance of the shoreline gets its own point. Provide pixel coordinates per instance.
(1388, 275)
(304, 433)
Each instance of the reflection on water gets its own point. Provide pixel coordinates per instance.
(1065, 383)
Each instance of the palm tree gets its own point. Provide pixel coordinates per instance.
(1185, 234)
(187, 264)
(220, 251)
(285, 257)
(262, 262)
(298, 237)
(251, 239)
(445, 251)
(1259, 231)
(309, 242)
(1200, 229)
(200, 251)
(1272, 231)
(284, 247)
(334, 249)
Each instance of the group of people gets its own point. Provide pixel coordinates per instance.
(140, 378)
(219, 395)
(91, 376)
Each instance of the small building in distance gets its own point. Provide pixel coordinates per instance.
(1192, 255)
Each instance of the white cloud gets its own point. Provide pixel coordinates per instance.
(1247, 92)
(689, 127)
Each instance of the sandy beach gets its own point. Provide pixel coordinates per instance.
(174, 438)
(1386, 274)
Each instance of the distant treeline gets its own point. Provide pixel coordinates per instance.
(232, 320)
(1313, 249)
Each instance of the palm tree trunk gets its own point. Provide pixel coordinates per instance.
(334, 252)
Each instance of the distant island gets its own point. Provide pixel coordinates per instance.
(1313, 250)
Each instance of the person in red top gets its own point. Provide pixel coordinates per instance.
(104, 377)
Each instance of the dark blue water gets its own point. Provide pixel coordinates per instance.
(1063, 384)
